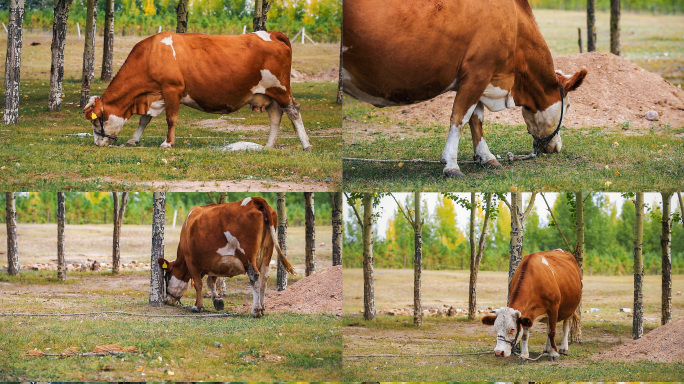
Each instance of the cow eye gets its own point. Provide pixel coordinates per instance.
(512, 330)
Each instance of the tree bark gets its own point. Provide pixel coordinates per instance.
(471, 230)
(579, 256)
(638, 321)
(59, 31)
(13, 62)
(340, 95)
(518, 217)
(119, 211)
(261, 8)
(11, 221)
(182, 16)
(591, 25)
(475, 261)
(368, 293)
(282, 236)
(156, 274)
(89, 52)
(615, 46)
(666, 255)
(336, 199)
(61, 265)
(417, 261)
(108, 46)
(310, 222)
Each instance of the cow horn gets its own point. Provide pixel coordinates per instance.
(91, 102)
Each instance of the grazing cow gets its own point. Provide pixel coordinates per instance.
(547, 284)
(224, 240)
(216, 74)
(491, 53)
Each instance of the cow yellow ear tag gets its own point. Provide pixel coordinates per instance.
(164, 266)
(93, 116)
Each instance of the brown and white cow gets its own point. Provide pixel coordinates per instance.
(216, 74)
(547, 283)
(491, 53)
(224, 240)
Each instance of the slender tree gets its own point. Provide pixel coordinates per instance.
(89, 51)
(477, 257)
(13, 61)
(615, 46)
(638, 319)
(591, 25)
(182, 16)
(368, 280)
(61, 265)
(518, 216)
(261, 8)
(579, 256)
(666, 256)
(310, 223)
(108, 46)
(340, 96)
(336, 199)
(11, 221)
(282, 235)
(118, 214)
(471, 229)
(156, 273)
(59, 31)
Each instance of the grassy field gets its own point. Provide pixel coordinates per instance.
(602, 330)
(44, 145)
(280, 346)
(647, 159)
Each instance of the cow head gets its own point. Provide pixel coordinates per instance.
(175, 285)
(544, 125)
(106, 126)
(506, 322)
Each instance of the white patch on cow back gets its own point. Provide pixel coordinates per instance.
(497, 99)
(230, 247)
(268, 80)
(245, 201)
(188, 218)
(544, 261)
(156, 108)
(168, 40)
(265, 36)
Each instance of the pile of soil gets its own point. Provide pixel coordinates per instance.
(615, 93)
(662, 345)
(318, 293)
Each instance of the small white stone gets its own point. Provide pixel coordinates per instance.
(242, 146)
(651, 115)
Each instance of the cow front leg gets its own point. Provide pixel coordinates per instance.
(144, 120)
(199, 300)
(216, 300)
(553, 350)
(524, 348)
(172, 104)
(482, 153)
(566, 332)
(293, 114)
(275, 115)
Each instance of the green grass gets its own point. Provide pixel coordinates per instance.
(41, 153)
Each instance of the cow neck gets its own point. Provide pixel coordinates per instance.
(119, 94)
(536, 83)
(182, 269)
(523, 297)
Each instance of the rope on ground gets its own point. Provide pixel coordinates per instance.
(422, 355)
(224, 314)
(530, 359)
(510, 157)
(219, 137)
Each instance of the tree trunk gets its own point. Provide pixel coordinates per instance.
(665, 252)
(61, 265)
(11, 221)
(89, 52)
(615, 46)
(591, 25)
(108, 47)
(310, 222)
(638, 321)
(282, 235)
(261, 8)
(336, 199)
(471, 304)
(13, 61)
(119, 211)
(579, 256)
(417, 261)
(182, 16)
(156, 274)
(368, 293)
(340, 96)
(59, 31)
(475, 262)
(517, 232)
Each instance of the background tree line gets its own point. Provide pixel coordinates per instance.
(97, 207)
(321, 18)
(608, 237)
(654, 6)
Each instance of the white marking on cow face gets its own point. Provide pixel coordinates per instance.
(168, 40)
(188, 218)
(497, 99)
(268, 80)
(231, 246)
(112, 126)
(265, 36)
(545, 262)
(177, 288)
(505, 325)
(156, 108)
(542, 123)
(245, 201)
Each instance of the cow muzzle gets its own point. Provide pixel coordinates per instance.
(554, 146)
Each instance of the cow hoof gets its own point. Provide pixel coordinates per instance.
(492, 164)
(196, 309)
(218, 304)
(307, 149)
(453, 173)
(165, 145)
(553, 357)
(257, 314)
(131, 143)
(563, 351)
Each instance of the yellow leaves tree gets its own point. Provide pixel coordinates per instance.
(149, 9)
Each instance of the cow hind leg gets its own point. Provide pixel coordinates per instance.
(263, 281)
(566, 332)
(275, 115)
(144, 120)
(216, 300)
(292, 111)
(553, 350)
(482, 153)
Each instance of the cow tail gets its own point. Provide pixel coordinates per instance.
(283, 260)
(576, 323)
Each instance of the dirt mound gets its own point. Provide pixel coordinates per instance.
(615, 93)
(318, 293)
(662, 345)
(331, 74)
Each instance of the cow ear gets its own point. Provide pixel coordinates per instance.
(526, 322)
(164, 264)
(570, 83)
(488, 320)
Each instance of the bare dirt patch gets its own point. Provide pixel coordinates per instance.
(235, 185)
(318, 293)
(331, 75)
(615, 93)
(661, 345)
